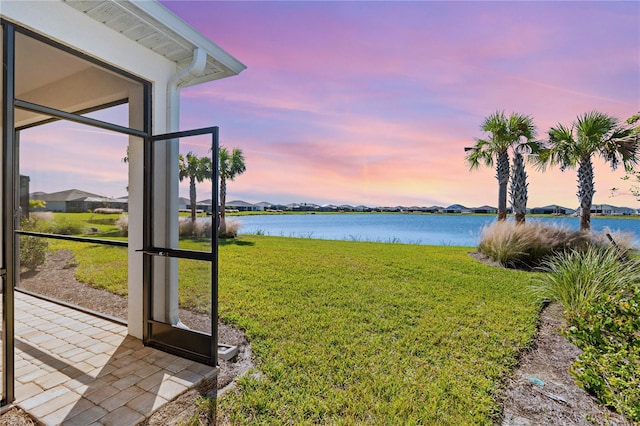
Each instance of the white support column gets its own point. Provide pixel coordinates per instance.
(136, 164)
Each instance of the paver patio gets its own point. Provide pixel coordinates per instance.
(74, 368)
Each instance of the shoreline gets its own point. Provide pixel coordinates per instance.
(417, 213)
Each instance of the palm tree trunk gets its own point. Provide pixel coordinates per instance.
(585, 192)
(192, 197)
(502, 174)
(519, 188)
(223, 203)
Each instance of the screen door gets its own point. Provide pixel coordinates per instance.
(181, 243)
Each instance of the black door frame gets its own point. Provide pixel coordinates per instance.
(9, 193)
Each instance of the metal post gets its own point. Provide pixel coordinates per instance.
(215, 215)
(8, 210)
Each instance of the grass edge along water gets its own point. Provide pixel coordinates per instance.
(424, 229)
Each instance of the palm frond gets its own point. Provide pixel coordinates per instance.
(480, 154)
(622, 147)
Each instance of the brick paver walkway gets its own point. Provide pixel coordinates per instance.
(73, 368)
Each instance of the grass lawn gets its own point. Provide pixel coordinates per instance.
(352, 332)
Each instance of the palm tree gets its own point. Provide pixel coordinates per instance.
(197, 170)
(593, 133)
(505, 133)
(519, 190)
(231, 165)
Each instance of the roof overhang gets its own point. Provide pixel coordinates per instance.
(155, 27)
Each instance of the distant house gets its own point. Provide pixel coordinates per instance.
(277, 207)
(390, 209)
(485, 210)
(553, 209)
(263, 205)
(433, 209)
(205, 205)
(309, 207)
(328, 208)
(77, 201)
(456, 208)
(184, 203)
(242, 206)
(302, 207)
(609, 210)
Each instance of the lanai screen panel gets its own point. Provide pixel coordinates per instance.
(73, 177)
(70, 167)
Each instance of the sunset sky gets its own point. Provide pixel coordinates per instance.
(373, 102)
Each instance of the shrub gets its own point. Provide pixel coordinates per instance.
(608, 332)
(33, 252)
(37, 221)
(123, 224)
(577, 279)
(65, 226)
(37, 204)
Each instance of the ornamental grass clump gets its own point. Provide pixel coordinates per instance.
(526, 245)
(231, 229)
(195, 229)
(577, 278)
(123, 224)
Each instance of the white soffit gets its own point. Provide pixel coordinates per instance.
(158, 29)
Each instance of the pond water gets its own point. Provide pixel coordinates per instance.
(427, 229)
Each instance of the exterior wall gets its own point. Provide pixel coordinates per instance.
(58, 21)
(56, 206)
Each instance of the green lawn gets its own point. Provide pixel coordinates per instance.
(351, 332)
(357, 333)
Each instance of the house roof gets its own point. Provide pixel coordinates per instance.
(554, 207)
(68, 195)
(239, 203)
(103, 199)
(154, 26)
